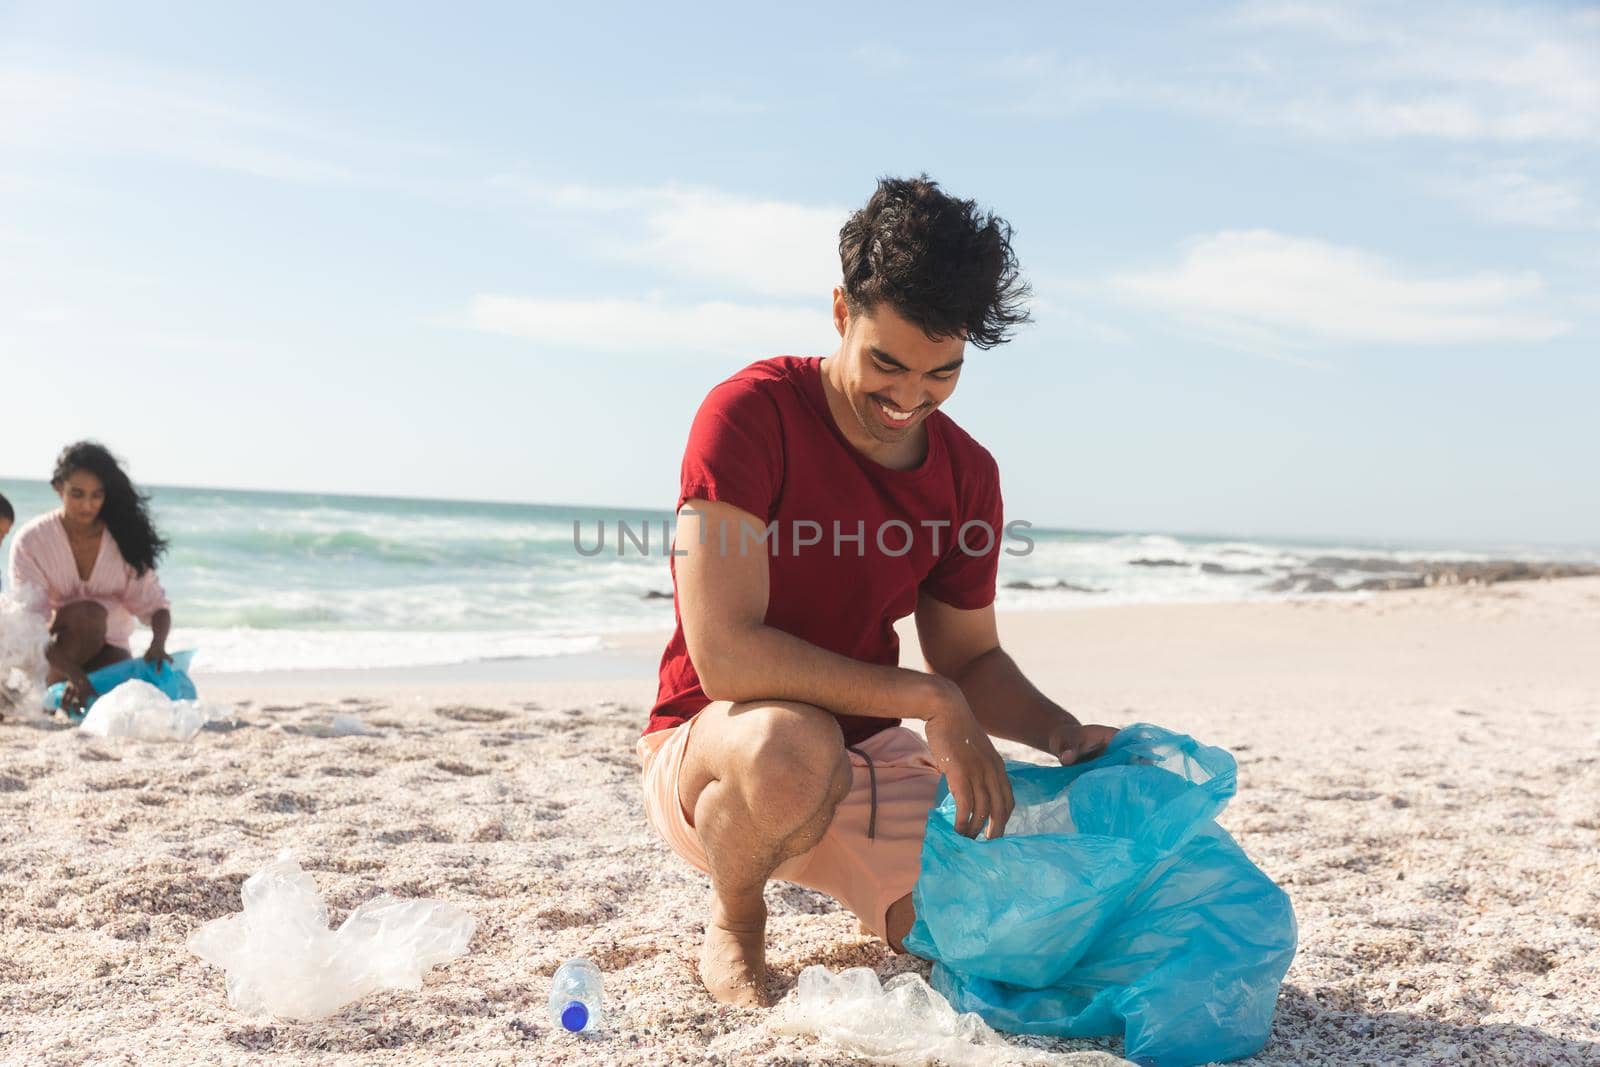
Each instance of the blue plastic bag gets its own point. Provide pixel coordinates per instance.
(1133, 913)
(171, 678)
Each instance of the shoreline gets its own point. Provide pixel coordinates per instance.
(635, 654)
(624, 655)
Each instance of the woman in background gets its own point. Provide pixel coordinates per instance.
(90, 586)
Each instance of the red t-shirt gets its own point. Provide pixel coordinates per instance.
(765, 442)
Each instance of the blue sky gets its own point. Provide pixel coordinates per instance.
(1301, 269)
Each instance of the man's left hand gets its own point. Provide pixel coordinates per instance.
(1080, 742)
(156, 655)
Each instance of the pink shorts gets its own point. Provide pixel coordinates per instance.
(865, 874)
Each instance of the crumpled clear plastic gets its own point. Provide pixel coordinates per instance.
(23, 641)
(171, 678)
(907, 1024)
(1114, 904)
(282, 960)
(1053, 816)
(139, 710)
(338, 726)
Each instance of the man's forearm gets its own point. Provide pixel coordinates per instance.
(765, 663)
(160, 626)
(1007, 704)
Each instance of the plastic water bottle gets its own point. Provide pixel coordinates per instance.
(575, 996)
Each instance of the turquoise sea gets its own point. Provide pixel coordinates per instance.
(285, 581)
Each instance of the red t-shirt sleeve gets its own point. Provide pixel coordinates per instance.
(735, 450)
(964, 577)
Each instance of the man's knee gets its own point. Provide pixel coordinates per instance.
(794, 754)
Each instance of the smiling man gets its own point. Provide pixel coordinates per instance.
(820, 501)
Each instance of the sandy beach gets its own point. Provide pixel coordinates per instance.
(1419, 769)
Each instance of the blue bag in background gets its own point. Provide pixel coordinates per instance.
(1112, 905)
(171, 678)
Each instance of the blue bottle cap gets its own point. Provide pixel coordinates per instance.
(575, 1016)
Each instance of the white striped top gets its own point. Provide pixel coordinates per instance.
(41, 559)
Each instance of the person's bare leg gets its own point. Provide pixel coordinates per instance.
(902, 915)
(897, 923)
(762, 780)
(106, 657)
(77, 637)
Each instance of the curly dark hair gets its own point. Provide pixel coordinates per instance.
(6, 510)
(126, 510)
(936, 260)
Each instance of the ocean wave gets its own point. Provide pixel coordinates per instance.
(282, 581)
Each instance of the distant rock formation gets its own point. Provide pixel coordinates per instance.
(656, 594)
(1217, 568)
(1037, 587)
(1496, 571)
(1368, 566)
(1420, 574)
(1157, 563)
(1303, 583)
(1389, 584)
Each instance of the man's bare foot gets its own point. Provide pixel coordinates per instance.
(733, 961)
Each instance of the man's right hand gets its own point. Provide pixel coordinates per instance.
(973, 769)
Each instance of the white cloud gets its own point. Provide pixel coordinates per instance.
(780, 258)
(48, 314)
(109, 110)
(1492, 73)
(772, 248)
(657, 327)
(1268, 290)
(1438, 72)
(1042, 84)
(1063, 319)
(1511, 194)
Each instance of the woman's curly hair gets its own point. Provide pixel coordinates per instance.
(125, 511)
(936, 260)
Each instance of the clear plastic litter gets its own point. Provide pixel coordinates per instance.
(347, 726)
(23, 641)
(906, 1023)
(282, 960)
(575, 998)
(1053, 816)
(139, 710)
